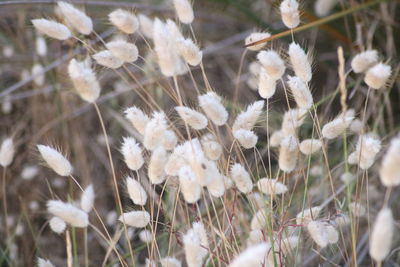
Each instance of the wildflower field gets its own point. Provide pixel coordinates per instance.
(240, 133)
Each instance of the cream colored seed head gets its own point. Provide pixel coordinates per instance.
(155, 130)
(170, 262)
(273, 63)
(190, 188)
(132, 153)
(44, 263)
(157, 163)
(257, 255)
(68, 213)
(288, 153)
(324, 7)
(377, 76)
(266, 84)
(300, 62)
(7, 152)
(75, 17)
(212, 107)
(184, 11)
(107, 59)
(310, 146)
(57, 225)
(247, 139)
(364, 60)
(137, 219)
(137, 118)
(212, 149)
(276, 138)
(306, 216)
(241, 178)
(390, 170)
(38, 74)
(290, 13)
(127, 52)
(87, 199)
(271, 186)
(193, 118)
(146, 26)
(254, 37)
(124, 21)
(52, 29)
(248, 118)
(55, 160)
(190, 52)
(382, 234)
(301, 93)
(136, 192)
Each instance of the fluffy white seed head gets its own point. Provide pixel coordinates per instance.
(138, 219)
(68, 213)
(87, 199)
(7, 152)
(75, 17)
(137, 118)
(248, 118)
(29, 172)
(212, 149)
(176, 160)
(217, 185)
(288, 153)
(271, 187)
(336, 127)
(322, 233)
(44, 263)
(266, 84)
(276, 138)
(190, 188)
(156, 166)
(55, 160)
(290, 13)
(107, 59)
(364, 60)
(154, 131)
(300, 62)
(124, 20)
(301, 92)
(308, 215)
(52, 29)
(357, 209)
(170, 262)
(382, 234)
(194, 247)
(190, 52)
(259, 220)
(145, 236)
(366, 150)
(377, 76)
(356, 126)
(347, 177)
(193, 118)
(38, 74)
(170, 140)
(41, 46)
(272, 63)
(254, 256)
(241, 178)
(212, 107)
(136, 192)
(127, 52)
(57, 225)
(84, 80)
(132, 153)
(254, 37)
(390, 170)
(184, 11)
(146, 26)
(247, 139)
(310, 146)
(324, 7)
(292, 120)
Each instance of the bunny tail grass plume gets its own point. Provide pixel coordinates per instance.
(146, 26)
(254, 37)
(194, 119)
(390, 170)
(145, 236)
(272, 63)
(156, 166)
(195, 245)
(138, 219)
(84, 80)
(57, 225)
(322, 233)
(301, 92)
(347, 177)
(55, 160)
(68, 213)
(290, 13)
(78, 19)
(276, 138)
(190, 52)
(38, 74)
(248, 118)
(259, 220)
(324, 7)
(52, 29)
(271, 187)
(170, 262)
(366, 150)
(107, 59)
(310, 146)
(306, 216)
(165, 47)
(377, 76)
(364, 60)
(217, 185)
(190, 188)
(124, 20)
(41, 46)
(357, 209)
(137, 118)
(241, 178)
(292, 120)
(87, 199)
(176, 160)
(336, 127)
(184, 11)
(212, 149)
(247, 139)
(266, 84)
(254, 256)
(136, 192)
(7, 152)
(212, 107)
(127, 52)
(288, 153)
(44, 263)
(132, 153)
(382, 234)
(155, 130)
(300, 62)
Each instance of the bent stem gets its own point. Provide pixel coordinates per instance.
(5, 203)
(117, 195)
